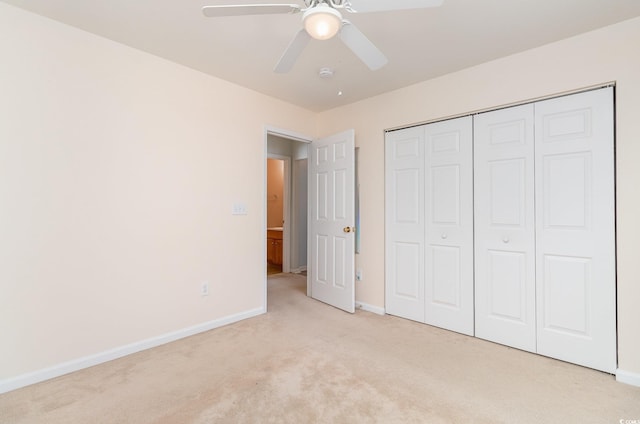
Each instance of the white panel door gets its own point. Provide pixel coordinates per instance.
(504, 227)
(449, 224)
(575, 229)
(404, 223)
(332, 219)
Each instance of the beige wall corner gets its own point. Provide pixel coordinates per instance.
(118, 174)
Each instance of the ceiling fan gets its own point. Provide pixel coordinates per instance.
(322, 20)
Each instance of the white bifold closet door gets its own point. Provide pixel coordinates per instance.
(404, 223)
(449, 224)
(429, 224)
(504, 227)
(545, 228)
(575, 229)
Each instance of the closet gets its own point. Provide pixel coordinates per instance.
(501, 225)
(429, 224)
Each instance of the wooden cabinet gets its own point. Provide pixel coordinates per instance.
(274, 247)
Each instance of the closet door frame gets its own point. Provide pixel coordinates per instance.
(541, 324)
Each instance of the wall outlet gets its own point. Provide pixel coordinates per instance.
(204, 288)
(358, 275)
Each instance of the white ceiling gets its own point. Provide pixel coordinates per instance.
(420, 44)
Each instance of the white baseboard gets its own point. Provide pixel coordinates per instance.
(34, 377)
(299, 269)
(370, 308)
(627, 377)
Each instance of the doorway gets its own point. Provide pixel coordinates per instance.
(328, 210)
(286, 204)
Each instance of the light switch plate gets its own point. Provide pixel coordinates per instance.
(239, 208)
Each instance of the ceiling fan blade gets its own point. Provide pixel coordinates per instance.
(292, 52)
(365, 6)
(362, 47)
(249, 9)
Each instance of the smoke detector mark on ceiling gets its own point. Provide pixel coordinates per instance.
(325, 73)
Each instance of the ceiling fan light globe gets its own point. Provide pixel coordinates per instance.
(322, 22)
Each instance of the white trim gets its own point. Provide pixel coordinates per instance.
(34, 377)
(507, 105)
(370, 308)
(299, 270)
(291, 135)
(628, 377)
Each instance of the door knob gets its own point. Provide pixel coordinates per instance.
(443, 236)
(347, 229)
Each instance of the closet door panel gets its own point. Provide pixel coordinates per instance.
(449, 225)
(504, 227)
(575, 229)
(404, 226)
(507, 294)
(445, 276)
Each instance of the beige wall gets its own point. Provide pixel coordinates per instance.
(609, 54)
(118, 172)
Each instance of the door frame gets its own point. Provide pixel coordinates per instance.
(294, 136)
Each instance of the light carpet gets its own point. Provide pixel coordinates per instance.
(306, 362)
